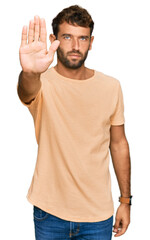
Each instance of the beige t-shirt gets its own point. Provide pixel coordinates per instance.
(72, 126)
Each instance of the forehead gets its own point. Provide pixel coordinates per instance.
(66, 28)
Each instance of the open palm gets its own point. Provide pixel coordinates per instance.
(33, 53)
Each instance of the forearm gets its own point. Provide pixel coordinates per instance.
(122, 166)
(28, 86)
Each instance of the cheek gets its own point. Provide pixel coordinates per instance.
(65, 44)
(90, 46)
(84, 48)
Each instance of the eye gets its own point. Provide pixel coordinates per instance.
(84, 38)
(67, 37)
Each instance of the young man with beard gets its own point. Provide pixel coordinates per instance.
(79, 116)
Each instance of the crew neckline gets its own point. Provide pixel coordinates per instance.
(76, 81)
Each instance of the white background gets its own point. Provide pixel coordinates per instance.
(121, 49)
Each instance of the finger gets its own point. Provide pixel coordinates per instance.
(53, 48)
(37, 27)
(116, 226)
(43, 32)
(31, 32)
(24, 36)
(121, 231)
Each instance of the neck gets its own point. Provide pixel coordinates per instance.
(78, 74)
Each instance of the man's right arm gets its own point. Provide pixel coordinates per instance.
(28, 86)
(34, 58)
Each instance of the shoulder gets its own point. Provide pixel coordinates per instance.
(107, 79)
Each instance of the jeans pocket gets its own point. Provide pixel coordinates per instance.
(39, 214)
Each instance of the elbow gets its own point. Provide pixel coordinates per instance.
(121, 145)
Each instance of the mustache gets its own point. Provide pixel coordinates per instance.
(74, 51)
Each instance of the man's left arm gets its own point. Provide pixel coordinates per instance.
(120, 155)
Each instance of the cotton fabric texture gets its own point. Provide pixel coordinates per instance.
(72, 120)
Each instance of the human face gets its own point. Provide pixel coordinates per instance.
(75, 42)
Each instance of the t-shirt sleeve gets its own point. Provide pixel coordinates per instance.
(117, 117)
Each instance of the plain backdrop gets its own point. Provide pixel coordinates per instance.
(121, 49)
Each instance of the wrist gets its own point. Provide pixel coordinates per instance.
(126, 200)
(125, 205)
(30, 75)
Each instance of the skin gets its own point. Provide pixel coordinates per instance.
(72, 45)
(75, 42)
(119, 150)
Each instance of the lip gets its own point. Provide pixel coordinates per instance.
(74, 55)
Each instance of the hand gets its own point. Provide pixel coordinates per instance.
(122, 219)
(34, 57)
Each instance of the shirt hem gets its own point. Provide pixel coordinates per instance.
(117, 123)
(66, 218)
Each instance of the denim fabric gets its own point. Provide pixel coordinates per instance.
(50, 227)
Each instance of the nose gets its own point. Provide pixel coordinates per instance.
(75, 44)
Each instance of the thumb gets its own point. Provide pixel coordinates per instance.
(53, 48)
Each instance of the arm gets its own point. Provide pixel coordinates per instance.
(119, 150)
(28, 86)
(34, 58)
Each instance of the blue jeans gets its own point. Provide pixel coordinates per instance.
(50, 227)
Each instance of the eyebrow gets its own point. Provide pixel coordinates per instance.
(68, 34)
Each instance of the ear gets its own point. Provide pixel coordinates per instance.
(91, 42)
(52, 38)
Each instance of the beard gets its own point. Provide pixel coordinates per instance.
(74, 64)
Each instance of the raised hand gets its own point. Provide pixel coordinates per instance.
(34, 57)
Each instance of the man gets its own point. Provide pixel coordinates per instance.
(79, 116)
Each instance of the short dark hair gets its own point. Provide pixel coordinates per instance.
(74, 15)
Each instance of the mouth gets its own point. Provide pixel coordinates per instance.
(73, 55)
